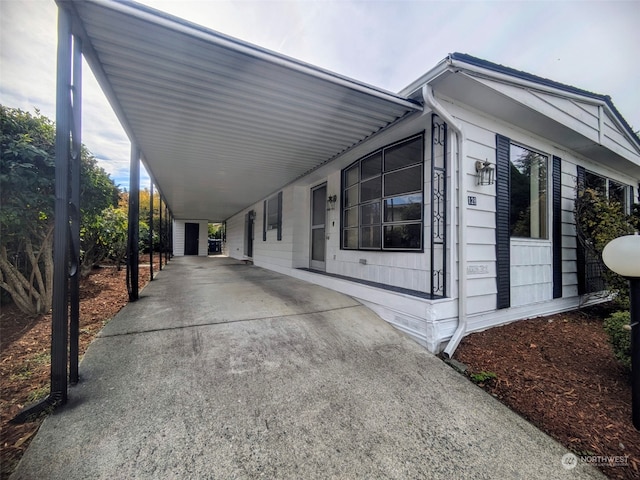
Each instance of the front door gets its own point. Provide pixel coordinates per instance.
(318, 231)
(191, 238)
(248, 233)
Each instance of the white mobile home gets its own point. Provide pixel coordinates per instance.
(404, 222)
(446, 208)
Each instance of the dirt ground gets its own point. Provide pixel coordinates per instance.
(25, 360)
(558, 372)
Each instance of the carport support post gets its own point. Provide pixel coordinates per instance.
(168, 227)
(60, 308)
(162, 244)
(151, 231)
(62, 228)
(133, 237)
(75, 158)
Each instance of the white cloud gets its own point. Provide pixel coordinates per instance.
(590, 45)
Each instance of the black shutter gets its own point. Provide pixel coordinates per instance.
(279, 216)
(632, 200)
(582, 273)
(557, 227)
(264, 221)
(503, 224)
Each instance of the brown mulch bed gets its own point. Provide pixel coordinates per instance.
(25, 361)
(559, 372)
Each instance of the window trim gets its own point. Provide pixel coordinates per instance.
(381, 200)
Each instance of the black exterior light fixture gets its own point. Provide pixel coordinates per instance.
(622, 255)
(485, 173)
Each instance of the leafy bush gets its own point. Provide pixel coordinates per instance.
(617, 327)
(598, 221)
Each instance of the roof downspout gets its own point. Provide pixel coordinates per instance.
(433, 104)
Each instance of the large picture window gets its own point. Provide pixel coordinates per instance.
(382, 198)
(529, 193)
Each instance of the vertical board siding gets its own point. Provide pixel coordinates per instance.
(531, 273)
(178, 237)
(557, 226)
(503, 196)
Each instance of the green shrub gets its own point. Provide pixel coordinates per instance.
(483, 377)
(617, 327)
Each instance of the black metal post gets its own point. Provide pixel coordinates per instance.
(162, 244)
(74, 210)
(60, 311)
(133, 237)
(151, 231)
(170, 216)
(60, 300)
(167, 228)
(634, 294)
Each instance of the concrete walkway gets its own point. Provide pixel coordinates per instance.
(226, 371)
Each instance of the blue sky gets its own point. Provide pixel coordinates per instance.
(587, 44)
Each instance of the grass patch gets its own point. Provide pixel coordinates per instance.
(38, 394)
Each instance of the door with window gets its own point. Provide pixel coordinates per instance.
(318, 227)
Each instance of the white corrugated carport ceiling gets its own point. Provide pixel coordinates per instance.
(220, 123)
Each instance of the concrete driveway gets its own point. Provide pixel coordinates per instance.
(226, 371)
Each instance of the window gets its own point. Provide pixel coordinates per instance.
(272, 213)
(529, 193)
(272, 216)
(382, 199)
(614, 191)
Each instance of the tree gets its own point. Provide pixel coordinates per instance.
(27, 197)
(113, 225)
(215, 230)
(27, 192)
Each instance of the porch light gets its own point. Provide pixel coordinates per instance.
(331, 202)
(622, 255)
(485, 173)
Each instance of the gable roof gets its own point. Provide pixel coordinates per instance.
(529, 77)
(584, 122)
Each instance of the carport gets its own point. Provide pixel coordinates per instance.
(217, 123)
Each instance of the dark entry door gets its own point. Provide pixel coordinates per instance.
(191, 238)
(248, 233)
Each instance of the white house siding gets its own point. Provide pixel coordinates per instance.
(432, 322)
(235, 235)
(178, 237)
(426, 321)
(531, 260)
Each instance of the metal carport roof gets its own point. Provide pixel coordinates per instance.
(221, 123)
